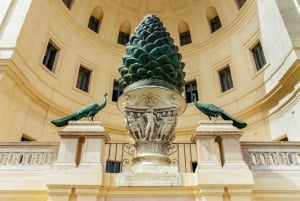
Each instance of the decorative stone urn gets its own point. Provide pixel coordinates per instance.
(150, 117)
(152, 79)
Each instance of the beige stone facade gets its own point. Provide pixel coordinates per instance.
(71, 164)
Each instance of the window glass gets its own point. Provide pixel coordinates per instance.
(191, 92)
(215, 24)
(94, 24)
(113, 166)
(225, 79)
(117, 91)
(258, 56)
(123, 38)
(68, 3)
(185, 38)
(83, 80)
(50, 56)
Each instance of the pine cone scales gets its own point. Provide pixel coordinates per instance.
(151, 54)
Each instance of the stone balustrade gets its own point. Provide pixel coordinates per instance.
(257, 155)
(272, 155)
(27, 155)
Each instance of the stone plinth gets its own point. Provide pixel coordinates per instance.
(82, 145)
(220, 161)
(80, 161)
(218, 145)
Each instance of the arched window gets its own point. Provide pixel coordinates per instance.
(213, 19)
(124, 33)
(95, 19)
(184, 33)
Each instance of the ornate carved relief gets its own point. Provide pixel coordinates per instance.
(153, 130)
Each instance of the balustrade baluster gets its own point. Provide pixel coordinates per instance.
(267, 158)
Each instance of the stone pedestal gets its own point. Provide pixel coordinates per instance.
(82, 145)
(207, 155)
(80, 162)
(220, 162)
(218, 145)
(150, 117)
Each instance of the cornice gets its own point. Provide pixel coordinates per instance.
(64, 15)
(271, 99)
(224, 33)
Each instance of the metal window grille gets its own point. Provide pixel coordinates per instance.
(119, 155)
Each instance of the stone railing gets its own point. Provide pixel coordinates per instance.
(257, 155)
(27, 155)
(272, 155)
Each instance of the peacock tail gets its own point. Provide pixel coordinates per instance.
(64, 120)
